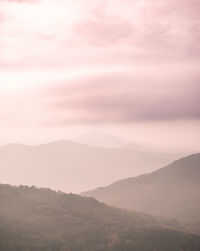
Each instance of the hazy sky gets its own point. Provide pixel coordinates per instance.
(129, 67)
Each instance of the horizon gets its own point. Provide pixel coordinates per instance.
(103, 139)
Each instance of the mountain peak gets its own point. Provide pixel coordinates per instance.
(101, 139)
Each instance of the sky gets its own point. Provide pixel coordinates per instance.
(127, 67)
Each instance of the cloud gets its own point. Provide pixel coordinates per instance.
(61, 32)
(116, 98)
(21, 1)
(155, 26)
(108, 50)
(108, 32)
(103, 29)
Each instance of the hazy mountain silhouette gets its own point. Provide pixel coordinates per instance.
(74, 167)
(173, 191)
(101, 139)
(40, 219)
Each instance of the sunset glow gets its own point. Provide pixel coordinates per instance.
(100, 64)
(99, 125)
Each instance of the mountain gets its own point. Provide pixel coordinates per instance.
(73, 167)
(173, 191)
(44, 220)
(100, 139)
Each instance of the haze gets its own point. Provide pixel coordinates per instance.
(99, 125)
(126, 67)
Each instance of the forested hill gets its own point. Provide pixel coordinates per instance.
(34, 219)
(172, 191)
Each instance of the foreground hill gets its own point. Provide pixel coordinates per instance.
(57, 164)
(43, 220)
(173, 191)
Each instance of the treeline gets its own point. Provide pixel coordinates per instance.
(34, 219)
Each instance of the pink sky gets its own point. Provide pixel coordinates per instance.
(129, 67)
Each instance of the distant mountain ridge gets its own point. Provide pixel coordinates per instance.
(101, 139)
(73, 167)
(172, 191)
(41, 219)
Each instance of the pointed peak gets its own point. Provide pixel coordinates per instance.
(101, 139)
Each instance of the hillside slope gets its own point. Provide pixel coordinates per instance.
(43, 220)
(173, 191)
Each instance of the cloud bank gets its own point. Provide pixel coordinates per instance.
(119, 61)
(63, 32)
(116, 98)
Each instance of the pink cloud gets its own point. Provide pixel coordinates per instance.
(110, 31)
(156, 26)
(124, 99)
(110, 39)
(144, 29)
(21, 1)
